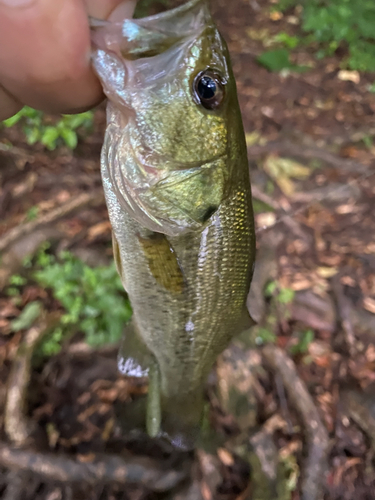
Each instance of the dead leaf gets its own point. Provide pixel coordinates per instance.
(292, 20)
(281, 170)
(267, 219)
(326, 272)
(369, 304)
(349, 76)
(276, 16)
(258, 35)
(252, 138)
(225, 457)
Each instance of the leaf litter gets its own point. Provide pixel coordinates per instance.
(309, 138)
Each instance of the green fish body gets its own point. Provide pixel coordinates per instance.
(176, 180)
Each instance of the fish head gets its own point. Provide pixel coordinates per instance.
(172, 115)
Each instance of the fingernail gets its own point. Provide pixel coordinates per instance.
(16, 3)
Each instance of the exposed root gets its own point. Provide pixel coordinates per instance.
(95, 197)
(315, 465)
(16, 424)
(344, 310)
(360, 407)
(105, 469)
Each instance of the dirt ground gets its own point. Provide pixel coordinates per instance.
(301, 423)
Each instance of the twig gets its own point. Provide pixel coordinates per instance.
(264, 198)
(288, 148)
(96, 197)
(14, 151)
(315, 465)
(293, 225)
(344, 310)
(107, 469)
(16, 425)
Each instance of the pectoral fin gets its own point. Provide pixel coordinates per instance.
(117, 256)
(163, 262)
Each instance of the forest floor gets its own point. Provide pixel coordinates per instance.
(301, 423)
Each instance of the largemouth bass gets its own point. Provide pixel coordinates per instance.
(176, 180)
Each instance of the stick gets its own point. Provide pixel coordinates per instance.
(107, 469)
(16, 425)
(96, 197)
(288, 148)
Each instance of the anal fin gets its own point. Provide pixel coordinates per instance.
(134, 358)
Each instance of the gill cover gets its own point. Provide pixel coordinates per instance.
(165, 154)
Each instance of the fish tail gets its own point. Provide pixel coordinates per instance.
(182, 418)
(176, 418)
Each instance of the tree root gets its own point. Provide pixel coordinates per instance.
(344, 309)
(315, 465)
(107, 469)
(19, 430)
(95, 197)
(16, 425)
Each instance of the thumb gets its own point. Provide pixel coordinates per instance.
(45, 53)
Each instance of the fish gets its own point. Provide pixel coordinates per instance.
(176, 181)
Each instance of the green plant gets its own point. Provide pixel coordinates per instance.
(332, 23)
(278, 60)
(32, 213)
(93, 299)
(290, 42)
(27, 317)
(39, 127)
(282, 295)
(304, 341)
(265, 335)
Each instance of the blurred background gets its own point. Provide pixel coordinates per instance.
(291, 407)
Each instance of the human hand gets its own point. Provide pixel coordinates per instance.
(45, 53)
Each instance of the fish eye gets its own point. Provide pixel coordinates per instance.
(209, 89)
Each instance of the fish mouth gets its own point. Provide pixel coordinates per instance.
(152, 35)
(96, 23)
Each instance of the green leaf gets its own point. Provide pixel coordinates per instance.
(27, 317)
(17, 280)
(286, 296)
(50, 137)
(32, 213)
(70, 137)
(304, 342)
(290, 42)
(265, 335)
(33, 135)
(10, 122)
(277, 60)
